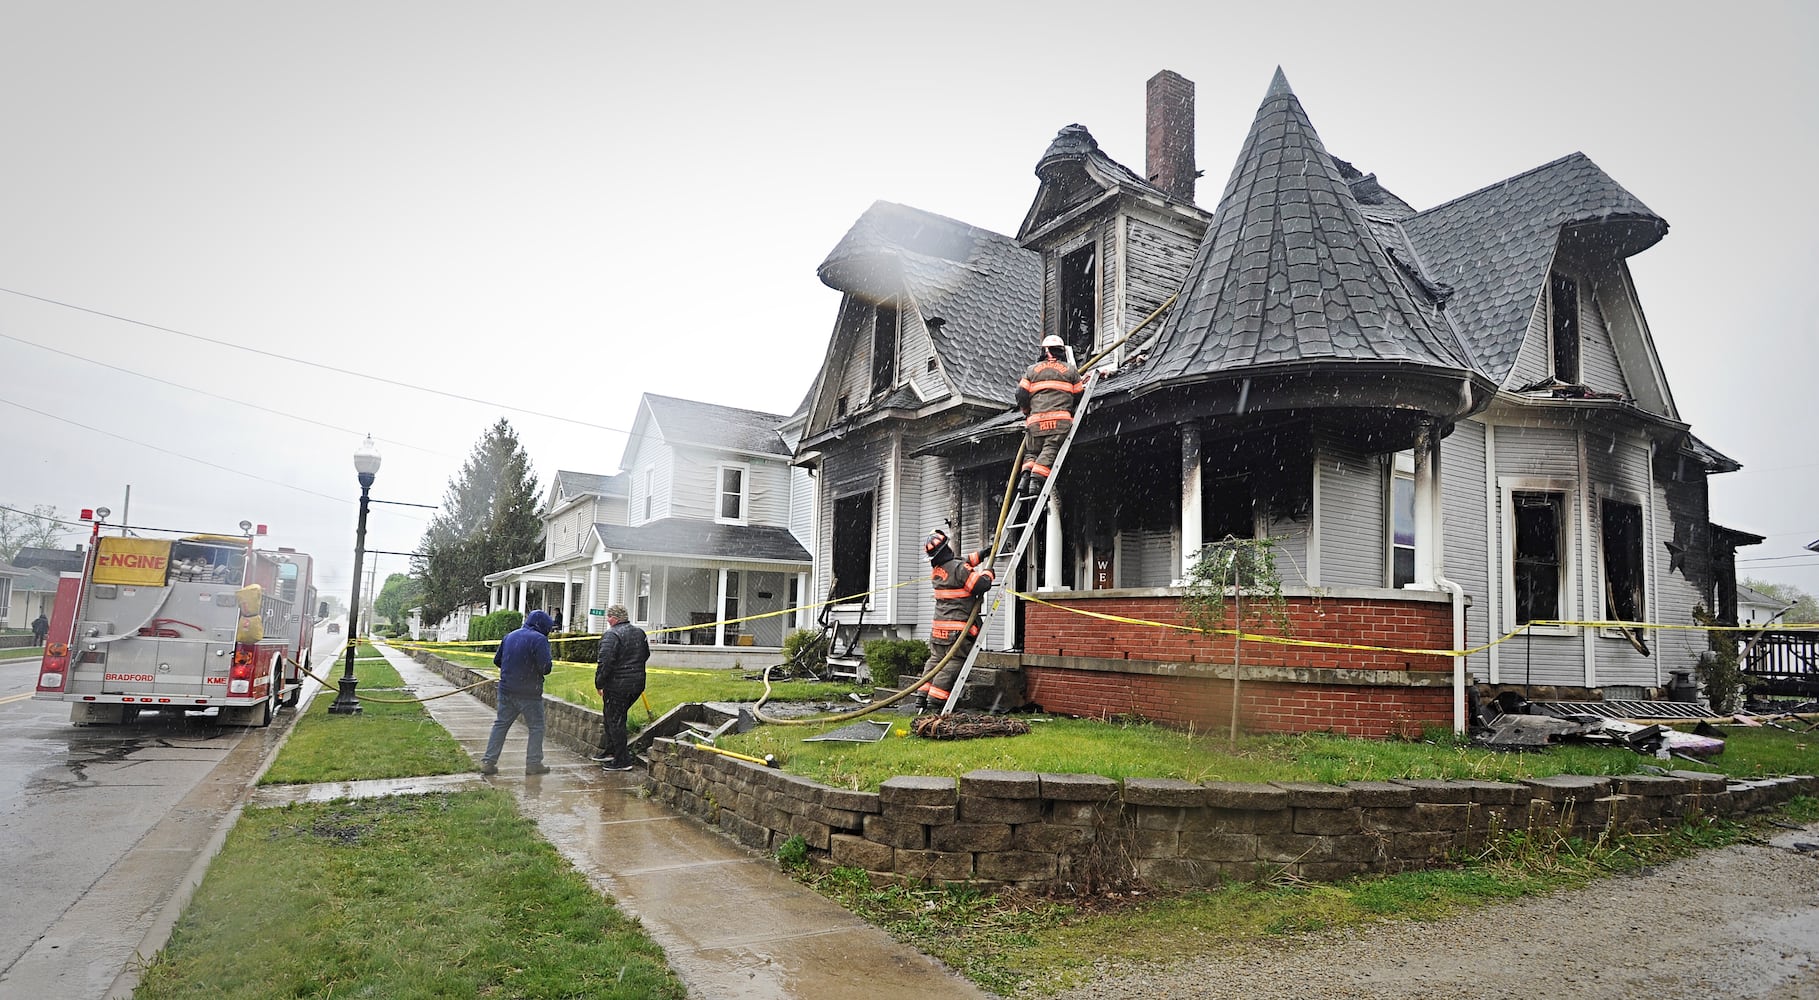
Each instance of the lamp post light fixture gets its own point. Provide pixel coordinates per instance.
(366, 466)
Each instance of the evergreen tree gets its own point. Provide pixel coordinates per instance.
(488, 522)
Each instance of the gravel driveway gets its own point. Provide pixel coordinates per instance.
(1737, 923)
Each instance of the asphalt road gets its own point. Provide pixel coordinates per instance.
(103, 832)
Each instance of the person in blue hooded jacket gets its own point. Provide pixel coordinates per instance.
(523, 660)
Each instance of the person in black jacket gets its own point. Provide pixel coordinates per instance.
(624, 650)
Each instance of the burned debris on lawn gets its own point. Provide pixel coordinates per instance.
(1512, 722)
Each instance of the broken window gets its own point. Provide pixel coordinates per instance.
(852, 545)
(1622, 536)
(884, 347)
(1538, 557)
(1227, 510)
(732, 494)
(1080, 300)
(1402, 520)
(840, 407)
(1563, 325)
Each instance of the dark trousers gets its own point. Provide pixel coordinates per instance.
(617, 700)
(1040, 447)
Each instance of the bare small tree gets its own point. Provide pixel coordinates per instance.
(1242, 571)
(19, 530)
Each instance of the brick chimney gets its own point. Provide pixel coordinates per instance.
(1169, 121)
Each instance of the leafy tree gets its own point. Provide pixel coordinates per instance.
(1806, 609)
(1240, 572)
(488, 522)
(19, 530)
(399, 594)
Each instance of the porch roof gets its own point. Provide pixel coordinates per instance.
(691, 538)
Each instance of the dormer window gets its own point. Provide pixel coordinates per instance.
(1563, 326)
(884, 347)
(1080, 300)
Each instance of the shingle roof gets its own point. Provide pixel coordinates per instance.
(695, 538)
(688, 421)
(1494, 247)
(56, 560)
(1289, 270)
(1074, 170)
(573, 484)
(986, 290)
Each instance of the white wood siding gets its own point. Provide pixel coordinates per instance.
(654, 458)
(1351, 518)
(1598, 365)
(1147, 558)
(1290, 549)
(1543, 453)
(802, 508)
(1618, 467)
(1534, 361)
(915, 353)
(1156, 261)
(609, 510)
(1462, 499)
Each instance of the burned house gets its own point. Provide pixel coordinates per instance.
(1451, 423)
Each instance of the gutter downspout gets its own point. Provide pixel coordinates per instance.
(1440, 580)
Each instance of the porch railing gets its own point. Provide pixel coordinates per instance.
(1788, 657)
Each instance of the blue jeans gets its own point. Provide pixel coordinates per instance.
(510, 707)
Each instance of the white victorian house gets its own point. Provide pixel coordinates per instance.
(705, 523)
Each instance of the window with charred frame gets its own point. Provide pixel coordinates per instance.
(1538, 556)
(1563, 326)
(1621, 525)
(1079, 312)
(852, 563)
(884, 347)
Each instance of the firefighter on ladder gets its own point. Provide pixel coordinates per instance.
(960, 585)
(1047, 395)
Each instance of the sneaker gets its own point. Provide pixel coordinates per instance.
(602, 755)
(488, 767)
(613, 765)
(536, 769)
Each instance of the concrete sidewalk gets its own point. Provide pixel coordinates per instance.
(732, 925)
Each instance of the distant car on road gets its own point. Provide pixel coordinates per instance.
(334, 628)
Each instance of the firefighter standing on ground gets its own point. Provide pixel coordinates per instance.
(1047, 395)
(960, 584)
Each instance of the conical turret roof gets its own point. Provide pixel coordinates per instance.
(1289, 272)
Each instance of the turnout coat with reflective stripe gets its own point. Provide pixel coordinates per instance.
(1048, 392)
(959, 586)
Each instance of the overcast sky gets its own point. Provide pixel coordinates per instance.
(556, 207)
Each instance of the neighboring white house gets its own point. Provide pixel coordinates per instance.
(1755, 607)
(25, 593)
(705, 522)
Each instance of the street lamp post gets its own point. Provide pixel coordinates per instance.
(366, 466)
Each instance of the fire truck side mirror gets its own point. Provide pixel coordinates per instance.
(322, 610)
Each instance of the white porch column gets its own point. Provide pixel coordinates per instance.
(720, 612)
(1190, 498)
(593, 594)
(802, 600)
(524, 594)
(568, 599)
(1051, 561)
(1427, 504)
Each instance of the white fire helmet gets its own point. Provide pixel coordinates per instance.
(1053, 341)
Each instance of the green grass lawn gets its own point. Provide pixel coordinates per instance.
(26, 653)
(666, 687)
(392, 737)
(402, 897)
(1121, 750)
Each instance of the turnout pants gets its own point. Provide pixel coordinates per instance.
(1041, 446)
(940, 686)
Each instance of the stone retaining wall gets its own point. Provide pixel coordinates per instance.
(1076, 832)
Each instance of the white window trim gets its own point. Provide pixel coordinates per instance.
(745, 492)
(1623, 496)
(1508, 486)
(1400, 465)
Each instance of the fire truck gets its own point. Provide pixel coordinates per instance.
(202, 623)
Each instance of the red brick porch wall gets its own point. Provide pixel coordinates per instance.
(1183, 678)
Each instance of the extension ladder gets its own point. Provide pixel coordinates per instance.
(1004, 564)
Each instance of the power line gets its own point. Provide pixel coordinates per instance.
(211, 395)
(312, 364)
(177, 454)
